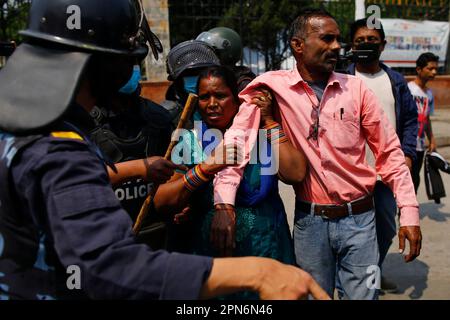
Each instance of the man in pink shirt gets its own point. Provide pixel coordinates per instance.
(330, 116)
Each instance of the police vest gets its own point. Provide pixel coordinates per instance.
(145, 136)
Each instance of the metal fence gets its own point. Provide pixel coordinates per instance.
(436, 10)
(188, 18)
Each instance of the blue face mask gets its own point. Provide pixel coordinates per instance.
(133, 83)
(190, 84)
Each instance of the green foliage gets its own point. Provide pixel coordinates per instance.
(189, 18)
(13, 18)
(264, 24)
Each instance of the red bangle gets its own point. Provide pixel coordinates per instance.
(271, 125)
(207, 174)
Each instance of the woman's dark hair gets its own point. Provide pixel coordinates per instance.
(223, 73)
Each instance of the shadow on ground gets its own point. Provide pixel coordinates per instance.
(433, 211)
(406, 275)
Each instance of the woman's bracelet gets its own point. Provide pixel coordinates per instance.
(196, 177)
(275, 133)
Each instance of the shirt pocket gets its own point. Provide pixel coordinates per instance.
(346, 128)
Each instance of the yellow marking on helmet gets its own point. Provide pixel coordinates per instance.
(66, 135)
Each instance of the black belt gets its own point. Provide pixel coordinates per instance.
(338, 211)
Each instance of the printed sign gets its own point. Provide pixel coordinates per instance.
(407, 39)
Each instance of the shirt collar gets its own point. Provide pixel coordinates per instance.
(295, 78)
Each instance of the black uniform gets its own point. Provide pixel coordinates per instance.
(140, 131)
(60, 222)
(244, 75)
(58, 209)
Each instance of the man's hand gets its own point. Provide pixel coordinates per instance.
(414, 236)
(432, 146)
(159, 170)
(288, 282)
(264, 102)
(270, 278)
(408, 162)
(223, 229)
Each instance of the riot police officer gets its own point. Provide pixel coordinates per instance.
(133, 132)
(184, 62)
(227, 44)
(57, 209)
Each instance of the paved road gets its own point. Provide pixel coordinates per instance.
(428, 277)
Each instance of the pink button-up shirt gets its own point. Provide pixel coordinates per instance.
(338, 172)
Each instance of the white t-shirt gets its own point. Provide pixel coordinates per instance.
(381, 85)
(425, 103)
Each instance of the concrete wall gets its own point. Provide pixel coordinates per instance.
(157, 12)
(154, 91)
(441, 89)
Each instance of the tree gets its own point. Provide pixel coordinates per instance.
(13, 17)
(264, 24)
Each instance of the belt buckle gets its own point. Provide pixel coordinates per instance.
(323, 215)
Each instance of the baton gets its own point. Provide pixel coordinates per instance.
(185, 115)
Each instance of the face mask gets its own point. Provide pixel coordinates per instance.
(190, 84)
(367, 52)
(133, 83)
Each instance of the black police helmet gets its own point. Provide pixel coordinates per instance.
(88, 25)
(226, 42)
(188, 55)
(41, 78)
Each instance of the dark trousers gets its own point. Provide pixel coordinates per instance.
(385, 215)
(416, 167)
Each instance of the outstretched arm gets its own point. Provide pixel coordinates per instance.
(174, 195)
(152, 169)
(390, 164)
(270, 278)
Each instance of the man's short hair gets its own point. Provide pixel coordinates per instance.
(362, 23)
(426, 57)
(298, 26)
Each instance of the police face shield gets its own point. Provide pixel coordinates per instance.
(42, 77)
(145, 34)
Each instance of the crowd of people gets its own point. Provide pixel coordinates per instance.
(81, 150)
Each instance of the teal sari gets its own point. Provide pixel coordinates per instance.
(261, 223)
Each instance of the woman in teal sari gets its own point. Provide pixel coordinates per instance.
(261, 227)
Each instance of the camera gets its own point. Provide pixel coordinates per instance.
(347, 55)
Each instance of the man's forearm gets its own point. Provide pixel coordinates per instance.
(269, 278)
(230, 275)
(429, 130)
